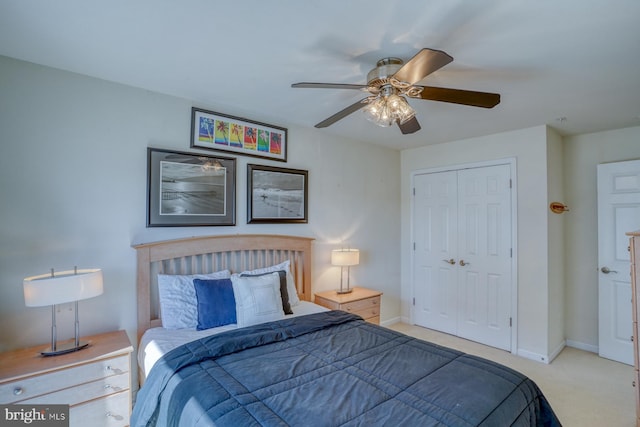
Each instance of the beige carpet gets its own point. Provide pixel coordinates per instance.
(584, 389)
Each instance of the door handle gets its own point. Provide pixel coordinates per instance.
(450, 261)
(606, 270)
(462, 263)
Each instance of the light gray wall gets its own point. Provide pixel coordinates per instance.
(556, 250)
(73, 184)
(581, 155)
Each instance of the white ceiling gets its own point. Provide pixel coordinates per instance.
(571, 64)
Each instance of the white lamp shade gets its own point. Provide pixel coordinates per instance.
(345, 257)
(66, 286)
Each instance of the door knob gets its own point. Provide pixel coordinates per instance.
(462, 263)
(606, 270)
(450, 261)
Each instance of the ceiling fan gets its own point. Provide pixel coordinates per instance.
(391, 80)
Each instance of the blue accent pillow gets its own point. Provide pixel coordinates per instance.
(216, 303)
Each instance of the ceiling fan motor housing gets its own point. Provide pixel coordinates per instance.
(385, 68)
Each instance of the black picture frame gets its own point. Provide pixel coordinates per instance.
(221, 132)
(277, 195)
(190, 189)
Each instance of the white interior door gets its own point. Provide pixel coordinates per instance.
(484, 251)
(618, 213)
(435, 249)
(462, 253)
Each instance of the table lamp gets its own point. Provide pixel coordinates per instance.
(345, 258)
(58, 288)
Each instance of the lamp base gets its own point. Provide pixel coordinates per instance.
(344, 291)
(64, 349)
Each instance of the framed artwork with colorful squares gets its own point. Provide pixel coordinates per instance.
(221, 132)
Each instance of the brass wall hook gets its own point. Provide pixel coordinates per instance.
(558, 208)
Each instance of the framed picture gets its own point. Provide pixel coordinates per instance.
(190, 189)
(276, 194)
(216, 131)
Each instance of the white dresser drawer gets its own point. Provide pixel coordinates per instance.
(84, 392)
(28, 388)
(111, 411)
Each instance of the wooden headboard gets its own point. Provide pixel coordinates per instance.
(207, 254)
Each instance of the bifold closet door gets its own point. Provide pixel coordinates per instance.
(435, 229)
(462, 257)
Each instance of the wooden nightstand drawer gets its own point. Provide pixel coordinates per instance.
(29, 388)
(375, 320)
(367, 313)
(363, 305)
(363, 302)
(111, 411)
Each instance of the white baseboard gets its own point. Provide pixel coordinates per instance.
(557, 351)
(541, 357)
(391, 321)
(533, 356)
(582, 346)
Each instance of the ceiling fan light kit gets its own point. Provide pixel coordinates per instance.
(385, 110)
(391, 81)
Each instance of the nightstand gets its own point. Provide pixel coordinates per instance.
(363, 302)
(95, 382)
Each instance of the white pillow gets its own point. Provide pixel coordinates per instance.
(178, 302)
(291, 284)
(258, 299)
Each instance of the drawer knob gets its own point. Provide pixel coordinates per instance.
(110, 368)
(114, 416)
(111, 387)
(18, 391)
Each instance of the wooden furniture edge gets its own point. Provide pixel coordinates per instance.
(28, 361)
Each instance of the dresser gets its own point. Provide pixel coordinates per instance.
(634, 247)
(361, 301)
(95, 382)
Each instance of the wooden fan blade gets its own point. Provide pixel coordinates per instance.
(308, 85)
(421, 65)
(410, 126)
(341, 114)
(459, 96)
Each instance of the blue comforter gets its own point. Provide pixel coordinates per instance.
(332, 369)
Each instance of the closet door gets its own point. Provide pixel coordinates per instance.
(462, 253)
(484, 252)
(435, 243)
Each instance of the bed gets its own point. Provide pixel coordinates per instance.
(310, 367)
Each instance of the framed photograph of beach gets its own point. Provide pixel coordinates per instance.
(190, 189)
(276, 195)
(216, 131)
